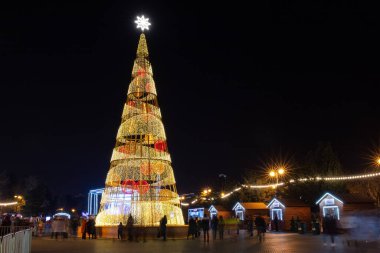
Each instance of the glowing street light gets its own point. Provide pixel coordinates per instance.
(277, 173)
(378, 161)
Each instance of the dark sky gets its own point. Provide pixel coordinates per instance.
(237, 84)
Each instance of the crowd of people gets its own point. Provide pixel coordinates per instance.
(63, 227)
(218, 226)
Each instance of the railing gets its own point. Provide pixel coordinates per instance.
(4, 230)
(16, 242)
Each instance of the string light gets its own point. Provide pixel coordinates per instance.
(329, 179)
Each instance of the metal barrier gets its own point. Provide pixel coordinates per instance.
(4, 230)
(18, 242)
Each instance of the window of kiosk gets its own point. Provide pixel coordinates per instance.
(240, 215)
(331, 210)
(276, 212)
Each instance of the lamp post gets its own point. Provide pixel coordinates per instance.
(277, 173)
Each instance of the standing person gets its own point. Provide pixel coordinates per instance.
(199, 227)
(130, 227)
(250, 225)
(84, 228)
(91, 228)
(74, 224)
(163, 222)
(54, 228)
(275, 221)
(120, 231)
(261, 227)
(192, 228)
(214, 226)
(329, 228)
(40, 227)
(206, 228)
(221, 225)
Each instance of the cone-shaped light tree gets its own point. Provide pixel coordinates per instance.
(140, 180)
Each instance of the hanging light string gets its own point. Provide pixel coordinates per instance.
(266, 186)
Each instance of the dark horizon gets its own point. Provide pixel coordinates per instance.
(236, 86)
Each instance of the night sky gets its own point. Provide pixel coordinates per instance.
(237, 84)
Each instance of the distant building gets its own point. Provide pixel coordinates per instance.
(250, 208)
(93, 202)
(286, 209)
(340, 204)
(218, 210)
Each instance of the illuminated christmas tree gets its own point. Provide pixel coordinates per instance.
(140, 180)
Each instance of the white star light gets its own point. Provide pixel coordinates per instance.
(142, 23)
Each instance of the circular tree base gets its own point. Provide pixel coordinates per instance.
(143, 233)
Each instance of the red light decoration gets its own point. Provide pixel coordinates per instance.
(160, 146)
(148, 87)
(131, 103)
(141, 72)
(127, 186)
(141, 186)
(127, 149)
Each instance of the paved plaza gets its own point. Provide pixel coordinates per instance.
(274, 243)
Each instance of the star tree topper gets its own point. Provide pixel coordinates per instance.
(142, 23)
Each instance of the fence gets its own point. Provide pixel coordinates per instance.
(17, 241)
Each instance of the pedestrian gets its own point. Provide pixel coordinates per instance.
(91, 228)
(250, 226)
(74, 224)
(192, 230)
(221, 225)
(84, 228)
(163, 223)
(40, 227)
(130, 227)
(206, 228)
(120, 231)
(214, 226)
(54, 228)
(199, 227)
(261, 227)
(329, 229)
(275, 222)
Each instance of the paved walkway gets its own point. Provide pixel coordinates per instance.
(274, 243)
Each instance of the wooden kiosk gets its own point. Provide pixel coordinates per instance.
(285, 210)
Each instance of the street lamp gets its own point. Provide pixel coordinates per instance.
(277, 173)
(378, 161)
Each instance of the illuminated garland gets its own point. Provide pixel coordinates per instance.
(140, 180)
(266, 186)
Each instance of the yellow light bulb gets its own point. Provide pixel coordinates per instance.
(272, 173)
(281, 171)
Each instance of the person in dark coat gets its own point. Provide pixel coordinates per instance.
(329, 229)
(163, 223)
(275, 222)
(192, 228)
(250, 225)
(214, 226)
(206, 228)
(261, 227)
(120, 231)
(130, 227)
(221, 225)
